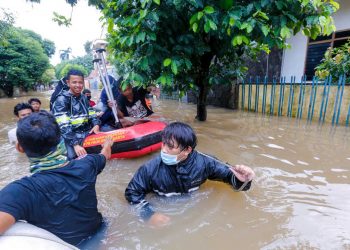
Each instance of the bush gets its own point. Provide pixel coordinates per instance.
(336, 62)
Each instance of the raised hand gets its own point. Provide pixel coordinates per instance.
(243, 173)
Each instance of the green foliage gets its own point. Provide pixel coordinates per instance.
(336, 62)
(181, 44)
(23, 61)
(149, 36)
(48, 76)
(84, 61)
(88, 47)
(70, 66)
(47, 45)
(62, 20)
(6, 22)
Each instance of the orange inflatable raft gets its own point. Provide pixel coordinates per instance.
(129, 142)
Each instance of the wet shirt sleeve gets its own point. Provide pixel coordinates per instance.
(136, 191)
(220, 172)
(14, 200)
(96, 161)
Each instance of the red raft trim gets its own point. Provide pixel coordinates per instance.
(130, 142)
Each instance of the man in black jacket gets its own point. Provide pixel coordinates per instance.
(180, 169)
(74, 115)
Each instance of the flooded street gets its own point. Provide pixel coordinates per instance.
(299, 199)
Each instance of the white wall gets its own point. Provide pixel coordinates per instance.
(293, 60)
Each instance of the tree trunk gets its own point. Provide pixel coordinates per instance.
(202, 82)
(202, 102)
(8, 90)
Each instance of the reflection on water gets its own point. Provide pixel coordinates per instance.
(298, 200)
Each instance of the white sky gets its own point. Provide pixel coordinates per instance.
(38, 17)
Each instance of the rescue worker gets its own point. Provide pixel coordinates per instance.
(179, 169)
(74, 115)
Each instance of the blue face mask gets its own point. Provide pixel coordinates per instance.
(169, 159)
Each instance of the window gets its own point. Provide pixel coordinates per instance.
(317, 48)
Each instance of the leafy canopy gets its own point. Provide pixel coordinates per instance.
(185, 43)
(23, 61)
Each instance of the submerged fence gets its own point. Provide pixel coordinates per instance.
(327, 100)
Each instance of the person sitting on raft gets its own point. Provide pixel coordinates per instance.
(132, 101)
(21, 110)
(107, 118)
(180, 169)
(60, 195)
(87, 93)
(74, 115)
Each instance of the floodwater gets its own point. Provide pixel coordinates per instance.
(299, 199)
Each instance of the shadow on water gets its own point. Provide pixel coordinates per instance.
(298, 199)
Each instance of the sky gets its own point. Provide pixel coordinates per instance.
(38, 18)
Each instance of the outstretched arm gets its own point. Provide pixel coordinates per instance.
(239, 176)
(6, 221)
(107, 147)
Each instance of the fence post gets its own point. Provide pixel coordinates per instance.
(272, 98)
(264, 95)
(324, 103)
(312, 98)
(257, 87)
(249, 93)
(291, 97)
(243, 94)
(281, 100)
(337, 103)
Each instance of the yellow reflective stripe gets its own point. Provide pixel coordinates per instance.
(79, 121)
(92, 112)
(62, 119)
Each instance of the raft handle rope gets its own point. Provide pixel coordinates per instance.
(229, 166)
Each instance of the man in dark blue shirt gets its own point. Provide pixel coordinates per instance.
(60, 195)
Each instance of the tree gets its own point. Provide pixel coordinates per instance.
(88, 47)
(69, 66)
(84, 61)
(23, 61)
(48, 76)
(47, 45)
(197, 43)
(6, 22)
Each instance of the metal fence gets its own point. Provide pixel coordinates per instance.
(325, 101)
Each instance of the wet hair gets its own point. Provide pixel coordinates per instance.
(74, 72)
(86, 91)
(180, 133)
(34, 100)
(21, 106)
(38, 134)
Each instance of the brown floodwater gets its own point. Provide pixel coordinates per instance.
(299, 199)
